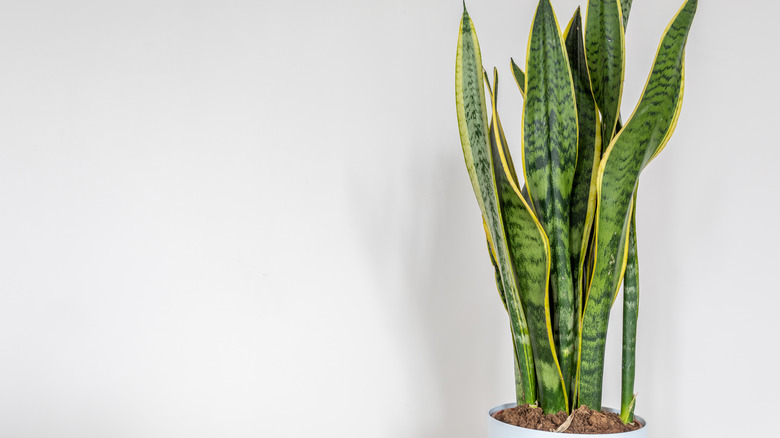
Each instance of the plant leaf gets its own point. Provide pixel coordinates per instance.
(519, 76)
(604, 46)
(529, 251)
(524, 192)
(583, 194)
(630, 316)
(519, 376)
(472, 109)
(475, 140)
(644, 135)
(625, 9)
(505, 147)
(492, 253)
(550, 156)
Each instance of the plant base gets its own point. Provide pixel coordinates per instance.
(529, 422)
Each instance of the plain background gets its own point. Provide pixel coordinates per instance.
(252, 219)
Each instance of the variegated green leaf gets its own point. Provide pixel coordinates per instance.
(492, 253)
(625, 9)
(604, 47)
(630, 316)
(529, 252)
(550, 157)
(505, 147)
(520, 378)
(474, 135)
(644, 135)
(524, 192)
(472, 110)
(519, 76)
(583, 194)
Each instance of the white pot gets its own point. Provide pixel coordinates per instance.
(499, 429)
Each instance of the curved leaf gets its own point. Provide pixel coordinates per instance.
(497, 271)
(474, 135)
(504, 146)
(625, 9)
(630, 317)
(583, 194)
(520, 376)
(549, 160)
(519, 76)
(472, 111)
(644, 135)
(529, 251)
(604, 46)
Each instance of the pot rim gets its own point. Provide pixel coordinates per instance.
(500, 424)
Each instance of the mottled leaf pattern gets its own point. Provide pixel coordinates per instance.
(519, 76)
(492, 253)
(474, 135)
(472, 110)
(644, 135)
(583, 194)
(520, 378)
(604, 43)
(625, 6)
(550, 155)
(562, 244)
(505, 148)
(529, 252)
(630, 316)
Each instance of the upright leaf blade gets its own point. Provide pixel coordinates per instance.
(550, 156)
(604, 46)
(625, 8)
(519, 76)
(521, 377)
(644, 135)
(630, 317)
(472, 112)
(474, 134)
(497, 271)
(583, 194)
(529, 251)
(504, 146)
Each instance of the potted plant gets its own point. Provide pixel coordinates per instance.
(562, 239)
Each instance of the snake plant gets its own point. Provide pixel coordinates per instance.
(564, 241)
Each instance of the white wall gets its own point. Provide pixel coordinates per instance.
(253, 219)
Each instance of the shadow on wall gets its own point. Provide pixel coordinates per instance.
(423, 236)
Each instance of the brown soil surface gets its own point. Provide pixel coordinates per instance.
(584, 420)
